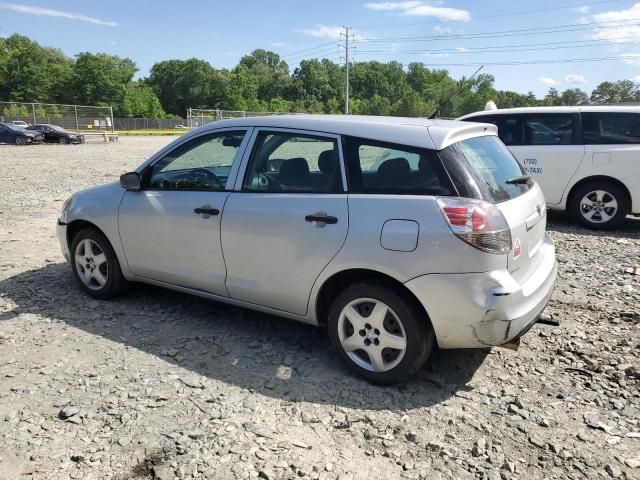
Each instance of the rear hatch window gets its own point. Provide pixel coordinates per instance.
(482, 168)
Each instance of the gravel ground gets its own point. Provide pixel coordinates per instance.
(162, 385)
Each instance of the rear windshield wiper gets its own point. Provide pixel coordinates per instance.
(521, 180)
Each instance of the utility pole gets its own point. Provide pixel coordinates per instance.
(347, 34)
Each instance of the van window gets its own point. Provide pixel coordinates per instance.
(606, 128)
(532, 129)
(385, 168)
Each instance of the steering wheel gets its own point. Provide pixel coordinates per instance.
(209, 175)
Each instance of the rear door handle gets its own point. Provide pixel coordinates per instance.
(206, 210)
(321, 217)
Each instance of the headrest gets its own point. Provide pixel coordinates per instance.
(328, 162)
(394, 168)
(294, 171)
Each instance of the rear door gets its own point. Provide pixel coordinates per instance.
(287, 219)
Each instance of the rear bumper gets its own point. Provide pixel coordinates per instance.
(484, 309)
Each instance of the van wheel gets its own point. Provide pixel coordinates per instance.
(599, 205)
(380, 335)
(95, 265)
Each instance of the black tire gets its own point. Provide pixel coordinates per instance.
(20, 141)
(612, 191)
(115, 283)
(63, 141)
(418, 332)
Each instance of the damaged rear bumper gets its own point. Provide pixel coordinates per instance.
(485, 309)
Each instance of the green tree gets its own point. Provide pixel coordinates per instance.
(615, 92)
(31, 73)
(140, 101)
(100, 79)
(574, 96)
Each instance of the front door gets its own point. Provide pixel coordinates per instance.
(170, 230)
(288, 220)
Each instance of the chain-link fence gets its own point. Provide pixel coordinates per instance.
(73, 117)
(199, 116)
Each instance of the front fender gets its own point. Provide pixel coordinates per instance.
(99, 206)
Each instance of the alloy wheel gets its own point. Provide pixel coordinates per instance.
(91, 264)
(598, 206)
(372, 334)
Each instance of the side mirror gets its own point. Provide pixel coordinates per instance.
(130, 181)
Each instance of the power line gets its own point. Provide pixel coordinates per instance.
(510, 33)
(504, 14)
(298, 58)
(528, 62)
(469, 51)
(308, 49)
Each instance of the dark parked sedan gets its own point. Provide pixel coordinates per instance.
(18, 136)
(55, 134)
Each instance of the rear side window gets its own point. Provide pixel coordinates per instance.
(480, 168)
(296, 163)
(385, 168)
(610, 128)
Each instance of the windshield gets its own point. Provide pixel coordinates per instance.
(13, 127)
(480, 167)
(57, 128)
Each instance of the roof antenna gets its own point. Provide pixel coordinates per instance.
(442, 102)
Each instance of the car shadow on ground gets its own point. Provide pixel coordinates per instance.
(254, 351)
(560, 221)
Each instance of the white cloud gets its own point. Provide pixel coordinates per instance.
(436, 55)
(47, 12)
(584, 9)
(549, 81)
(636, 79)
(325, 31)
(421, 9)
(461, 49)
(280, 44)
(575, 79)
(616, 32)
(438, 30)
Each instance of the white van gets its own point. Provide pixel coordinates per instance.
(586, 159)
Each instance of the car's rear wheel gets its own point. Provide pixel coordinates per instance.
(380, 334)
(599, 205)
(95, 265)
(20, 140)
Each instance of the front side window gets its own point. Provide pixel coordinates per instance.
(375, 167)
(610, 128)
(203, 164)
(292, 162)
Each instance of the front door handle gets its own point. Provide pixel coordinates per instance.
(206, 211)
(321, 217)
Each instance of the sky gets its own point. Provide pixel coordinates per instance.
(601, 37)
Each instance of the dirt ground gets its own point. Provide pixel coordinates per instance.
(161, 385)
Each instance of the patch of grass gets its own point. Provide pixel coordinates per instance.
(172, 131)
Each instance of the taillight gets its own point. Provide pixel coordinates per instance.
(480, 224)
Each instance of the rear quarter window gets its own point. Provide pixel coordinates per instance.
(480, 168)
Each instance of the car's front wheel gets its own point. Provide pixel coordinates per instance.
(380, 334)
(95, 265)
(599, 205)
(63, 141)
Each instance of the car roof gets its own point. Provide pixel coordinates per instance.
(585, 108)
(418, 132)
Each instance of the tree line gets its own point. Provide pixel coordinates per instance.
(262, 81)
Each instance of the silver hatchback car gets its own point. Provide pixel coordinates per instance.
(394, 233)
